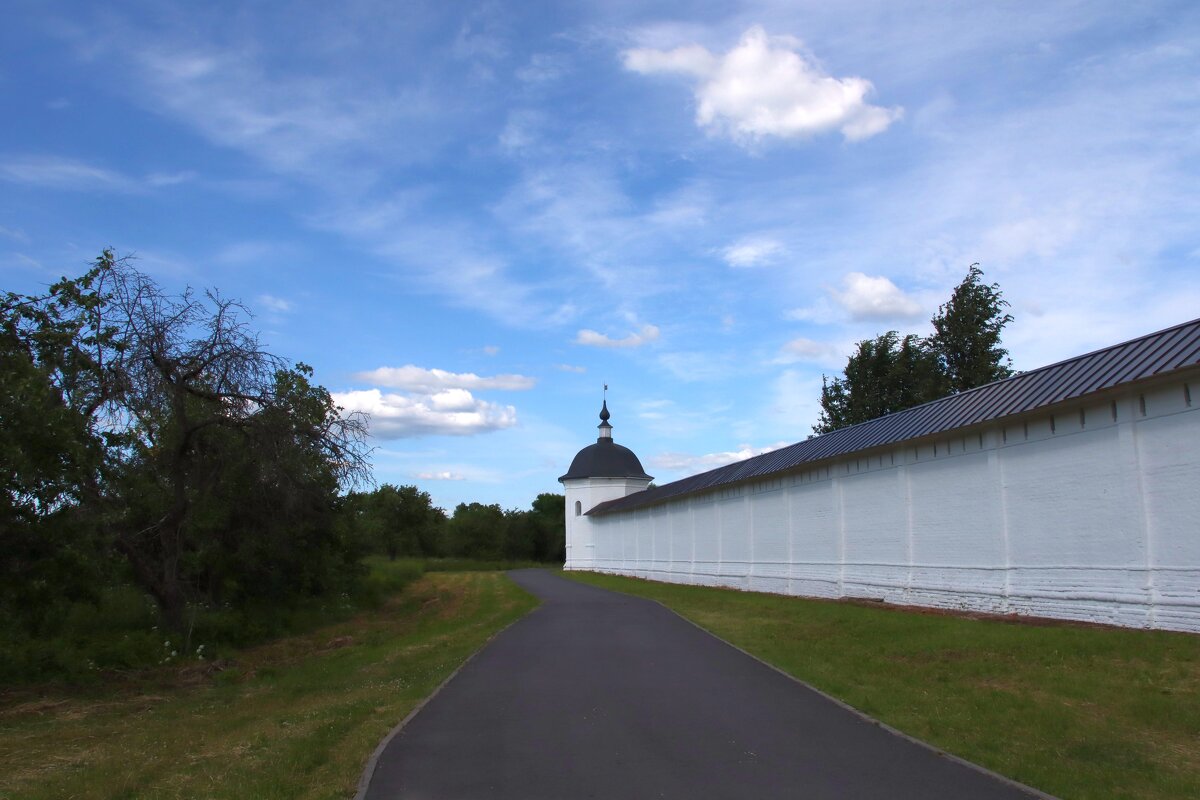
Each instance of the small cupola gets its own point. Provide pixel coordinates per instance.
(605, 428)
(605, 458)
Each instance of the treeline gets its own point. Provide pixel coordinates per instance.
(401, 521)
(892, 372)
(152, 448)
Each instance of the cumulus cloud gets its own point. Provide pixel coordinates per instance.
(647, 333)
(441, 476)
(867, 297)
(766, 86)
(683, 462)
(751, 252)
(452, 412)
(428, 381)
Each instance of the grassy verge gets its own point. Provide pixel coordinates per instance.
(296, 718)
(1077, 711)
(474, 564)
(121, 631)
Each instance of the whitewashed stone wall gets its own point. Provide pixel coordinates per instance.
(1091, 512)
(581, 495)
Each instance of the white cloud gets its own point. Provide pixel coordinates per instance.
(751, 252)
(521, 131)
(690, 59)
(289, 122)
(275, 304)
(491, 349)
(683, 462)
(767, 87)
(647, 333)
(821, 312)
(156, 179)
(543, 68)
(454, 412)
(702, 365)
(807, 350)
(866, 297)
(26, 261)
(428, 381)
(1044, 237)
(441, 476)
(16, 234)
(466, 273)
(64, 173)
(571, 368)
(255, 253)
(57, 172)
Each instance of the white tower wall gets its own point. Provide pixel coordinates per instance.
(584, 494)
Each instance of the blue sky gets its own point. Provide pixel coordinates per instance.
(469, 216)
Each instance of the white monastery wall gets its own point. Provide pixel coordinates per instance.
(582, 495)
(1088, 513)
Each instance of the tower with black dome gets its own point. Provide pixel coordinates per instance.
(601, 471)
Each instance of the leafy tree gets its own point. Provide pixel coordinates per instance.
(891, 373)
(489, 533)
(52, 382)
(548, 514)
(477, 531)
(156, 427)
(967, 331)
(884, 375)
(397, 520)
(200, 399)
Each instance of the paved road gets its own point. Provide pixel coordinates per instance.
(601, 695)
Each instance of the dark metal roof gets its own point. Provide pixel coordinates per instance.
(605, 459)
(1138, 359)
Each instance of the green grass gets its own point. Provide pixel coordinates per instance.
(295, 718)
(121, 630)
(475, 564)
(1077, 711)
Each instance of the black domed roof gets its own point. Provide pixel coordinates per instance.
(605, 459)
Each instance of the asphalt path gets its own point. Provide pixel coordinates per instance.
(601, 695)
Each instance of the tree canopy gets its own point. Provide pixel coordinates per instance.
(153, 430)
(891, 373)
(966, 336)
(165, 475)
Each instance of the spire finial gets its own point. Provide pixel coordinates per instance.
(605, 428)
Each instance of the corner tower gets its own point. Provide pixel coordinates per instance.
(601, 471)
